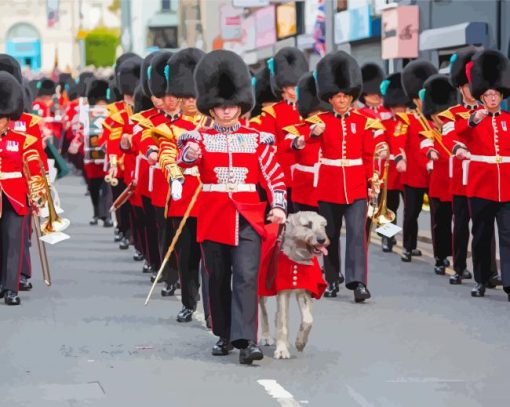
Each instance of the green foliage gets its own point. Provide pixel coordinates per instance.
(114, 7)
(100, 47)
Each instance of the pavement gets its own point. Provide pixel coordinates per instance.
(89, 341)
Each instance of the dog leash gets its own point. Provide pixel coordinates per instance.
(275, 254)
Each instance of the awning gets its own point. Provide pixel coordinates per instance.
(475, 33)
(163, 19)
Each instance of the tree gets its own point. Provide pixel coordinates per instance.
(100, 47)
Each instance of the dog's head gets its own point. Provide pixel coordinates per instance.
(305, 237)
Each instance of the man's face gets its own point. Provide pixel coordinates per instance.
(398, 109)
(4, 123)
(340, 102)
(189, 105)
(129, 99)
(227, 113)
(157, 102)
(289, 93)
(492, 99)
(170, 103)
(373, 99)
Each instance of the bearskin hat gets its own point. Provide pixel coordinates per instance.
(263, 92)
(65, 80)
(179, 72)
(286, 67)
(338, 72)
(28, 96)
(11, 65)
(156, 73)
(306, 93)
(223, 79)
(490, 70)
(438, 95)
(113, 94)
(122, 58)
(414, 75)
(372, 75)
(142, 102)
(458, 64)
(97, 90)
(11, 96)
(46, 87)
(128, 75)
(81, 83)
(393, 92)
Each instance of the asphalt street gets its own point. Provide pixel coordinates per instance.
(89, 341)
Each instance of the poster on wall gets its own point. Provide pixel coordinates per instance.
(52, 8)
(231, 23)
(265, 27)
(286, 16)
(400, 32)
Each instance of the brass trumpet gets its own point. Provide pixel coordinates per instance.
(378, 213)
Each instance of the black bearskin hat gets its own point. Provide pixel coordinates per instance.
(142, 102)
(338, 72)
(11, 65)
(307, 100)
(82, 83)
(65, 80)
(439, 95)
(286, 67)
(263, 92)
(156, 73)
(393, 92)
(144, 81)
(11, 96)
(113, 94)
(414, 75)
(28, 96)
(179, 72)
(97, 90)
(223, 79)
(372, 75)
(128, 75)
(46, 87)
(491, 70)
(458, 64)
(122, 58)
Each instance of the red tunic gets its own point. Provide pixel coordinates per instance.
(391, 132)
(30, 124)
(347, 145)
(231, 161)
(489, 165)
(274, 119)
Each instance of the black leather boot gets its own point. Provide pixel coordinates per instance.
(169, 290)
(361, 293)
(250, 353)
(456, 279)
(185, 315)
(124, 243)
(478, 290)
(11, 298)
(406, 256)
(439, 268)
(138, 256)
(331, 290)
(222, 347)
(24, 284)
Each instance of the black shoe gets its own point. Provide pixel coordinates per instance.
(11, 298)
(146, 267)
(456, 279)
(478, 290)
(24, 284)
(446, 263)
(137, 256)
(222, 347)
(108, 223)
(387, 245)
(94, 221)
(169, 290)
(250, 353)
(331, 290)
(439, 268)
(416, 252)
(406, 256)
(494, 281)
(153, 277)
(117, 236)
(185, 315)
(340, 280)
(124, 244)
(361, 293)
(466, 275)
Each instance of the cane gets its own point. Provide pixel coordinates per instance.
(174, 240)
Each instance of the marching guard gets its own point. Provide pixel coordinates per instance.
(232, 160)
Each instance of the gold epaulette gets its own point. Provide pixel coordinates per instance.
(255, 120)
(35, 120)
(142, 120)
(178, 131)
(269, 109)
(162, 130)
(464, 115)
(447, 114)
(115, 134)
(117, 117)
(292, 130)
(29, 141)
(112, 108)
(374, 124)
(404, 117)
(315, 119)
(430, 134)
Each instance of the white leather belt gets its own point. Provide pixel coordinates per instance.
(193, 171)
(312, 169)
(10, 175)
(152, 168)
(489, 159)
(229, 187)
(346, 162)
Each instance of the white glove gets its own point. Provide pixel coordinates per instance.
(176, 188)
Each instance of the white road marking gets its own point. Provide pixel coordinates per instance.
(276, 391)
(424, 380)
(358, 398)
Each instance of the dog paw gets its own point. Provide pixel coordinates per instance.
(266, 342)
(300, 346)
(281, 353)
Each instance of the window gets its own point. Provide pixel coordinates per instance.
(166, 5)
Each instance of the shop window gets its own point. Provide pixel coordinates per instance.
(162, 37)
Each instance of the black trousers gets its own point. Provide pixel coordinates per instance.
(483, 214)
(165, 236)
(356, 249)
(27, 261)
(303, 208)
(460, 239)
(122, 214)
(441, 227)
(393, 201)
(413, 201)
(188, 259)
(137, 225)
(233, 283)
(151, 234)
(12, 245)
(101, 197)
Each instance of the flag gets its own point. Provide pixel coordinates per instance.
(52, 9)
(319, 32)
